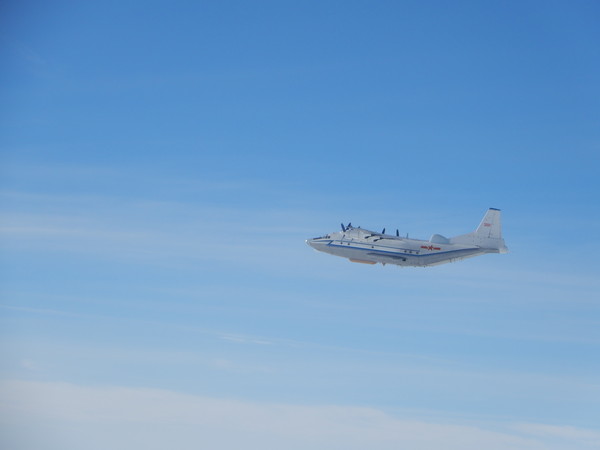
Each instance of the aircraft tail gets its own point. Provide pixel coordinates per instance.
(488, 234)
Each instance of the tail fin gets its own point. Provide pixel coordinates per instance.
(487, 235)
(490, 226)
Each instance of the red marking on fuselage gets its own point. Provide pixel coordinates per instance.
(487, 224)
(431, 247)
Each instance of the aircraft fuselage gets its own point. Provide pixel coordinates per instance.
(360, 245)
(365, 246)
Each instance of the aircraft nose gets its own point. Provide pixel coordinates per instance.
(314, 243)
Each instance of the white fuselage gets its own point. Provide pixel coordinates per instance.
(360, 245)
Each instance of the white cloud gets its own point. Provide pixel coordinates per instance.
(63, 416)
(590, 438)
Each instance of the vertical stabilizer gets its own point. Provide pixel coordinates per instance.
(490, 226)
(488, 234)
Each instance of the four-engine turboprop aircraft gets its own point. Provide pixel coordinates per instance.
(364, 246)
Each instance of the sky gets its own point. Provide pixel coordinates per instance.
(162, 163)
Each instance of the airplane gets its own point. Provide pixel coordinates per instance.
(368, 247)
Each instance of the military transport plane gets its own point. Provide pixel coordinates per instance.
(364, 246)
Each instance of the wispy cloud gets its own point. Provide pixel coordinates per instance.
(64, 416)
(150, 238)
(244, 339)
(28, 54)
(566, 434)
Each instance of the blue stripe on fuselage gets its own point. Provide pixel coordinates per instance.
(375, 250)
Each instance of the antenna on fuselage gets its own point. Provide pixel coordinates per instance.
(383, 231)
(397, 233)
(343, 228)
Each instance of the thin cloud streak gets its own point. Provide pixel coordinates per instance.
(124, 418)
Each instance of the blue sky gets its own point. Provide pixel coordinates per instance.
(163, 163)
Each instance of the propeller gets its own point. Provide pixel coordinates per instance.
(343, 227)
(397, 233)
(383, 231)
